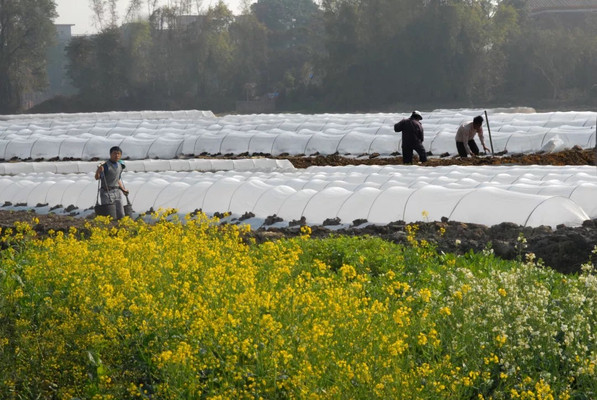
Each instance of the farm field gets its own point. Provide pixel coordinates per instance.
(53, 157)
(186, 305)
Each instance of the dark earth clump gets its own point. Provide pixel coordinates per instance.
(565, 248)
(574, 156)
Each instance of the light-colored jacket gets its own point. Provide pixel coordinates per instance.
(467, 132)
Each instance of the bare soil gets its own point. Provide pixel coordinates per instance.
(574, 156)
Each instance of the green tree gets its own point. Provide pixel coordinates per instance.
(105, 14)
(448, 43)
(553, 53)
(345, 54)
(552, 59)
(369, 52)
(26, 32)
(585, 76)
(503, 29)
(137, 44)
(191, 58)
(341, 81)
(249, 40)
(97, 68)
(294, 32)
(212, 64)
(170, 57)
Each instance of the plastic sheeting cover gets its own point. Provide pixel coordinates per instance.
(167, 135)
(533, 195)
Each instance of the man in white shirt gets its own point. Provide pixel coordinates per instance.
(465, 138)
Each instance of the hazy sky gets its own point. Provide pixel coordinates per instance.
(78, 12)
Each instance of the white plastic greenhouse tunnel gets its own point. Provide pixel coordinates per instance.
(529, 195)
(169, 135)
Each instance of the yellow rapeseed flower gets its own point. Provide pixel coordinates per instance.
(401, 316)
(425, 295)
(501, 340)
(348, 271)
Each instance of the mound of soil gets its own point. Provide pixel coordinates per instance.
(564, 249)
(575, 156)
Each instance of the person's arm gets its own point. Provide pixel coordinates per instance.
(99, 171)
(421, 133)
(120, 183)
(398, 126)
(468, 149)
(481, 138)
(470, 135)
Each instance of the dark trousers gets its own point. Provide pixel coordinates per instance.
(462, 150)
(407, 153)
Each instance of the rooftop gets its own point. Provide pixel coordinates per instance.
(561, 6)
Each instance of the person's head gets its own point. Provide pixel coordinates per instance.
(478, 121)
(416, 115)
(115, 153)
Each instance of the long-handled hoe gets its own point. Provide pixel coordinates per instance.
(489, 131)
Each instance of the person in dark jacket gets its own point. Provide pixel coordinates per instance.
(111, 184)
(412, 137)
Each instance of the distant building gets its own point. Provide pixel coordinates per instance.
(64, 32)
(540, 7)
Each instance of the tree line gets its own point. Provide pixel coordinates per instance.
(338, 55)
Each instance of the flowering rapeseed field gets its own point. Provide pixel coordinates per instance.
(175, 310)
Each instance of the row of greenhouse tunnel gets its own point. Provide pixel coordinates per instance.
(49, 161)
(377, 194)
(345, 134)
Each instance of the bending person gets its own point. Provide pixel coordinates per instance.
(111, 184)
(412, 137)
(465, 138)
